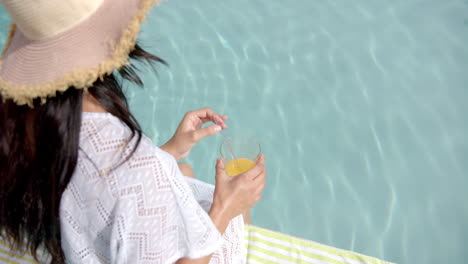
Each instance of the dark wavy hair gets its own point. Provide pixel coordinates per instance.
(39, 151)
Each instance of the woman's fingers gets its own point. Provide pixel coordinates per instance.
(217, 119)
(255, 178)
(207, 115)
(202, 113)
(259, 181)
(257, 169)
(219, 167)
(251, 174)
(261, 177)
(205, 131)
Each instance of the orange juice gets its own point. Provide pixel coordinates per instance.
(238, 166)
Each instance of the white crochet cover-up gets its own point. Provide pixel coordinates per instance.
(140, 211)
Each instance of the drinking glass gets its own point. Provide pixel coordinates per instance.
(239, 153)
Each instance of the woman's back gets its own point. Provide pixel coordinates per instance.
(89, 187)
(140, 210)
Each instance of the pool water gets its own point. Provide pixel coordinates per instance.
(360, 107)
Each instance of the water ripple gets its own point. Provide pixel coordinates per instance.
(359, 105)
(372, 52)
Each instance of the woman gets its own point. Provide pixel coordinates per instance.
(80, 183)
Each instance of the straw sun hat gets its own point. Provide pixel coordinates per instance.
(55, 44)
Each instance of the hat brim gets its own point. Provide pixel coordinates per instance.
(76, 58)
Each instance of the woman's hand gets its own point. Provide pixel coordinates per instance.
(190, 131)
(232, 197)
(235, 195)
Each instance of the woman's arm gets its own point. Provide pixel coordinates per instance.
(221, 222)
(232, 197)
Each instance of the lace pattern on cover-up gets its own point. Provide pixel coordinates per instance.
(141, 211)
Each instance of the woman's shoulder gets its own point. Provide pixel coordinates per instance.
(102, 130)
(112, 161)
(105, 134)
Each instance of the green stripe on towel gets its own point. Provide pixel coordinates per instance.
(266, 246)
(251, 257)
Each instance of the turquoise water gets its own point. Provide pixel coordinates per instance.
(360, 107)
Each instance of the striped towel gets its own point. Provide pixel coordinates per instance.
(7, 255)
(269, 247)
(263, 246)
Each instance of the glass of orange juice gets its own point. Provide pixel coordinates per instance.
(239, 153)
